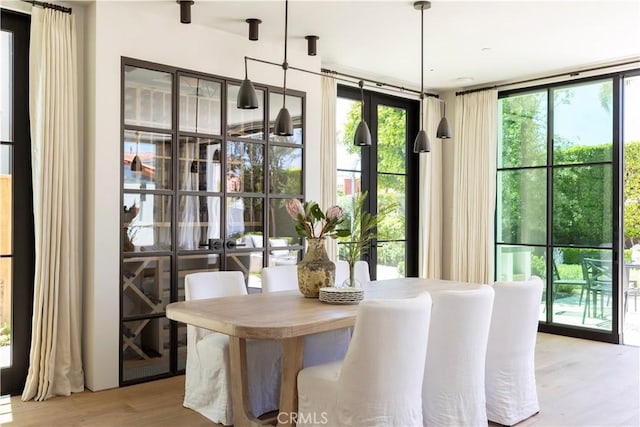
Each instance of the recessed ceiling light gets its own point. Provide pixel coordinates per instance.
(464, 79)
(485, 49)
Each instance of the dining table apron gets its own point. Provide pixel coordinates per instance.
(286, 316)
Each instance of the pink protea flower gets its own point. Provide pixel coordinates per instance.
(295, 208)
(334, 212)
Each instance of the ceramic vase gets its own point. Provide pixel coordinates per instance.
(316, 270)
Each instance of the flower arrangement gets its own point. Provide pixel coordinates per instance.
(312, 223)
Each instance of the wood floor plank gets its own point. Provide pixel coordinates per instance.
(580, 383)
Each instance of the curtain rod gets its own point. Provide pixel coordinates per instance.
(334, 75)
(568, 73)
(49, 6)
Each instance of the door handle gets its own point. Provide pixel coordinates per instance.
(213, 244)
(230, 244)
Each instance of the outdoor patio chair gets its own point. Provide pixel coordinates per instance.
(598, 274)
(557, 281)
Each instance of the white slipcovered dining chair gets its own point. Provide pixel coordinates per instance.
(207, 376)
(380, 381)
(323, 347)
(360, 271)
(453, 387)
(510, 376)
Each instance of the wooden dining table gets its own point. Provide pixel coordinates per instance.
(286, 316)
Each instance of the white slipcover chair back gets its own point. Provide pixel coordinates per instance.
(360, 270)
(510, 368)
(380, 381)
(319, 348)
(207, 376)
(453, 388)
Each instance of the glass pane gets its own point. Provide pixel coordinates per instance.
(391, 190)
(250, 264)
(6, 283)
(199, 165)
(583, 123)
(522, 131)
(6, 200)
(6, 86)
(582, 284)
(244, 123)
(348, 184)
(582, 206)
(153, 151)
(294, 106)
(348, 156)
(392, 139)
(522, 206)
(245, 215)
(200, 109)
(145, 285)
(245, 167)
(285, 170)
(188, 264)
(145, 348)
(283, 256)
(516, 263)
(147, 98)
(282, 226)
(198, 221)
(146, 222)
(391, 260)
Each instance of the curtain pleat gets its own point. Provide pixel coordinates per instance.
(430, 224)
(328, 153)
(474, 187)
(55, 360)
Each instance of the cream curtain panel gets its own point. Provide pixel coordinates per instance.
(328, 153)
(474, 187)
(430, 224)
(55, 358)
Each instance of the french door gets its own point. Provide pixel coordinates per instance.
(388, 171)
(204, 189)
(16, 205)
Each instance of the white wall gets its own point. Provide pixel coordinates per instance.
(116, 29)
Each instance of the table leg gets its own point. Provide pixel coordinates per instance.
(292, 358)
(242, 415)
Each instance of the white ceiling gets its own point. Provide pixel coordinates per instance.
(488, 41)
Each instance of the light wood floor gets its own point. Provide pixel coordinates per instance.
(580, 383)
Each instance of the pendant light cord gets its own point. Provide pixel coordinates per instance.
(361, 84)
(422, 68)
(245, 68)
(285, 65)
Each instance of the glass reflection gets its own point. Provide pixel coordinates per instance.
(200, 109)
(146, 222)
(199, 166)
(145, 348)
(245, 166)
(285, 170)
(522, 140)
(147, 98)
(145, 285)
(198, 221)
(294, 105)
(391, 191)
(245, 215)
(250, 264)
(282, 227)
(522, 206)
(154, 152)
(244, 123)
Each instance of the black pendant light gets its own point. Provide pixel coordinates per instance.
(362, 137)
(136, 163)
(253, 28)
(312, 45)
(247, 97)
(444, 130)
(185, 11)
(283, 125)
(421, 144)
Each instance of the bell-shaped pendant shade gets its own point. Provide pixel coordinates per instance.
(363, 135)
(194, 166)
(422, 144)
(444, 130)
(283, 125)
(247, 97)
(136, 164)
